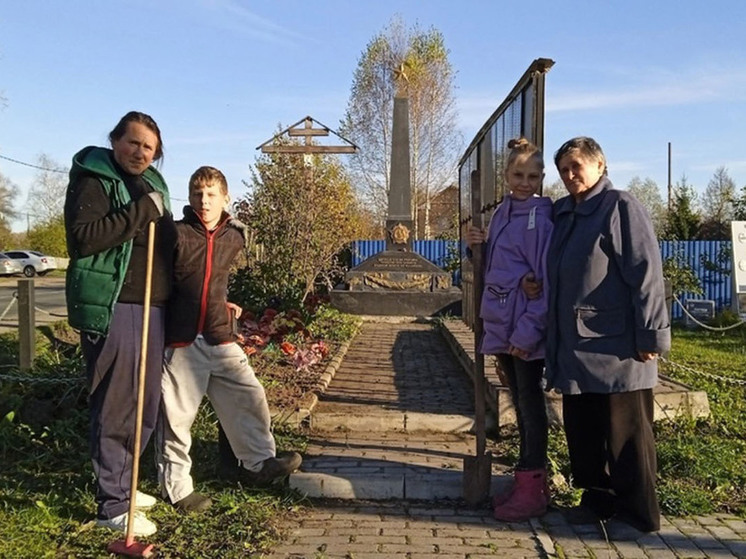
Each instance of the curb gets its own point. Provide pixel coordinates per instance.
(386, 421)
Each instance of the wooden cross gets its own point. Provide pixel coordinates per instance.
(308, 132)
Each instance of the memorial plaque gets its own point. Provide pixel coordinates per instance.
(398, 271)
(702, 310)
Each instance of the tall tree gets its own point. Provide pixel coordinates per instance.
(435, 142)
(683, 220)
(717, 206)
(46, 197)
(300, 214)
(48, 236)
(649, 196)
(739, 206)
(8, 193)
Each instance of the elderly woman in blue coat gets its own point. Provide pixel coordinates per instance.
(607, 325)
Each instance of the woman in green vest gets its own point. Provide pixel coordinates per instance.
(112, 196)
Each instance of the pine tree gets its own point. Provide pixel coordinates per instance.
(683, 220)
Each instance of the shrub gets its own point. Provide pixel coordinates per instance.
(330, 324)
(681, 275)
(255, 292)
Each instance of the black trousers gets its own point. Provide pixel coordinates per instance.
(524, 379)
(612, 454)
(112, 365)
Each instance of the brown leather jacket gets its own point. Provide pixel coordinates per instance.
(202, 262)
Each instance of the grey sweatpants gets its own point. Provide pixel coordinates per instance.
(222, 372)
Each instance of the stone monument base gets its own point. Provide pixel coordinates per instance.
(397, 283)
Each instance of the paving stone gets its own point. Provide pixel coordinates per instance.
(661, 554)
(629, 550)
(737, 547)
(721, 554)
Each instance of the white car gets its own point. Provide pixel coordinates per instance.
(9, 267)
(33, 262)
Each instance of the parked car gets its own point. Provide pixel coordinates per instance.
(8, 266)
(33, 262)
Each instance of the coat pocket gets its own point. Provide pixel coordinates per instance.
(497, 305)
(599, 323)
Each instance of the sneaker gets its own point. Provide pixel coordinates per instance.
(274, 468)
(194, 502)
(142, 525)
(144, 501)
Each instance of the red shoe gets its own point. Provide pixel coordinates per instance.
(529, 499)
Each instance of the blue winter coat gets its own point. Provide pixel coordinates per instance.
(517, 242)
(606, 295)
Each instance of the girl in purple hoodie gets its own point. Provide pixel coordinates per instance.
(514, 325)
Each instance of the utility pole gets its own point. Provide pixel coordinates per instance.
(669, 177)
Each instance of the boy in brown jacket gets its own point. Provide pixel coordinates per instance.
(202, 356)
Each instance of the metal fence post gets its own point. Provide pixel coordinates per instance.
(26, 323)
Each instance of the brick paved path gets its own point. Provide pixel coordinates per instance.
(405, 367)
(367, 530)
(403, 375)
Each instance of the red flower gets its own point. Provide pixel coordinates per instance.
(287, 348)
(250, 350)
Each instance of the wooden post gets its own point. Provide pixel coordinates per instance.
(477, 219)
(26, 323)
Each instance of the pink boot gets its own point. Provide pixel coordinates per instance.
(502, 498)
(529, 498)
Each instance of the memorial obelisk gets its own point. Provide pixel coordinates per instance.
(399, 217)
(398, 281)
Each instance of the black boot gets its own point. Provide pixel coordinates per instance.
(228, 466)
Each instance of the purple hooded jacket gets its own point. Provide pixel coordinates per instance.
(517, 242)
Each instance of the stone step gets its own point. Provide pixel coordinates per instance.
(383, 485)
(393, 465)
(374, 419)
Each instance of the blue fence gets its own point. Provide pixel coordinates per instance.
(710, 260)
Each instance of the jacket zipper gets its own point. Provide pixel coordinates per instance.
(206, 283)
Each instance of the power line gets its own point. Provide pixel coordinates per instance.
(63, 171)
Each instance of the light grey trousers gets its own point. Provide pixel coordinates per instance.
(222, 372)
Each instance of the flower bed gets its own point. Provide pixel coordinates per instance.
(289, 353)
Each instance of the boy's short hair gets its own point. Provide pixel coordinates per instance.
(208, 175)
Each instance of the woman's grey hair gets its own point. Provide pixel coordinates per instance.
(586, 146)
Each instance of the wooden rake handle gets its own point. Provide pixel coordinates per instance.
(129, 538)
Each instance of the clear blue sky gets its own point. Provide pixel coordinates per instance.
(219, 76)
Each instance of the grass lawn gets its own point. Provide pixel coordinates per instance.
(46, 482)
(701, 463)
(47, 485)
